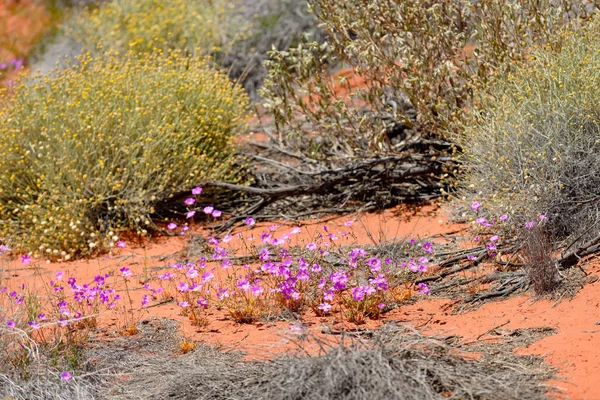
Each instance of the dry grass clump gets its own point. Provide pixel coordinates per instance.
(87, 152)
(539, 264)
(200, 27)
(48, 385)
(535, 145)
(399, 363)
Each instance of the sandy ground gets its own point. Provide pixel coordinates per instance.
(574, 350)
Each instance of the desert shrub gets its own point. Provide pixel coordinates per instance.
(88, 151)
(201, 27)
(535, 147)
(419, 62)
(273, 24)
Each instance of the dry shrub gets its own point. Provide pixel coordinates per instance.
(539, 263)
(89, 151)
(535, 145)
(411, 57)
(273, 24)
(200, 27)
(399, 363)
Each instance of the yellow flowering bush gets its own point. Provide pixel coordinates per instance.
(201, 27)
(88, 151)
(533, 147)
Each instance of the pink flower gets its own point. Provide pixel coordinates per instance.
(243, 284)
(227, 238)
(171, 226)
(348, 223)
(208, 210)
(190, 214)
(125, 272)
(381, 306)
(311, 246)
(257, 290)
(494, 238)
(59, 275)
(190, 201)
(475, 205)
(216, 213)
(10, 324)
(121, 244)
(184, 304)
(530, 225)
(207, 277)
(183, 287)
(197, 190)
(296, 230)
(202, 302)
(375, 264)
(325, 307)
(358, 293)
(423, 288)
(25, 259)
(504, 217)
(65, 376)
(428, 247)
(145, 300)
(250, 221)
(543, 217)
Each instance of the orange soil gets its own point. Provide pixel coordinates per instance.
(22, 24)
(574, 349)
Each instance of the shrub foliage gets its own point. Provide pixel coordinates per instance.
(87, 152)
(201, 27)
(423, 56)
(535, 147)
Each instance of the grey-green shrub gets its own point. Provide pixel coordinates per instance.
(534, 147)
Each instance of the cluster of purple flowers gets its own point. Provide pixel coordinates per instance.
(14, 64)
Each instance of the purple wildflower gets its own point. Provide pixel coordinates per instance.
(208, 210)
(530, 225)
(428, 247)
(125, 272)
(202, 302)
(423, 288)
(65, 376)
(325, 307)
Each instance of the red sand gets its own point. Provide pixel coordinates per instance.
(574, 349)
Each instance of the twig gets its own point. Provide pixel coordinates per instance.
(493, 329)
